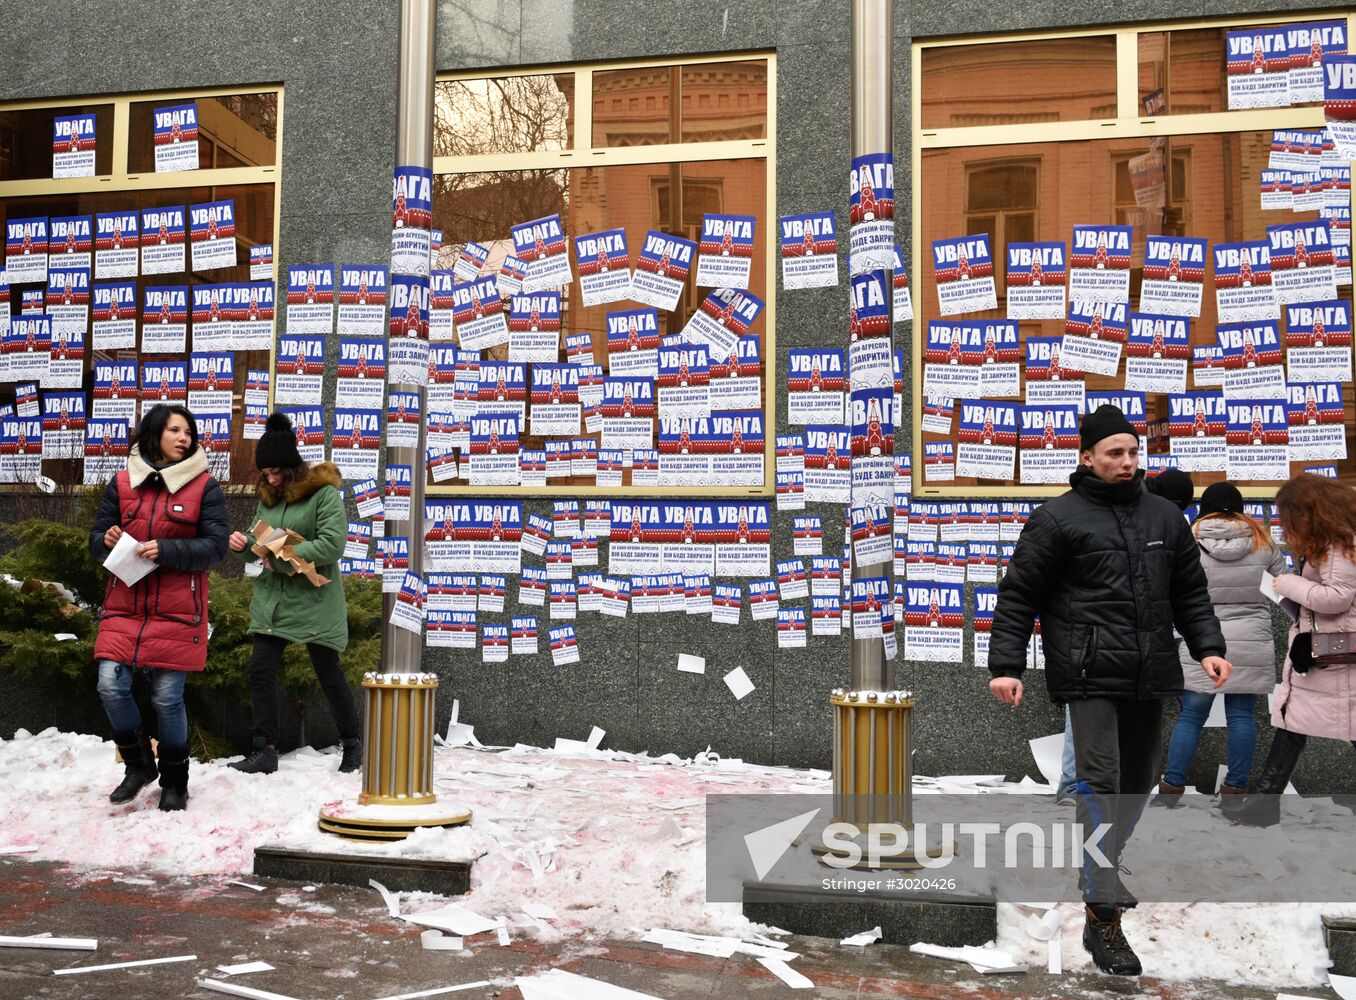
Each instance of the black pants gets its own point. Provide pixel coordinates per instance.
(265, 663)
(1117, 744)
(1281, 762)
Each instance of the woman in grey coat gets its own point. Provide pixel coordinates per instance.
(1235, 551)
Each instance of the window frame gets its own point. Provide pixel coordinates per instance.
(1130, 122)
(583, 154)
(120, 180)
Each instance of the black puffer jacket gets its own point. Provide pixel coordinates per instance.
(1110, 569)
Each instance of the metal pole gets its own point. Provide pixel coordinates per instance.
(403, 650)
(873, 132)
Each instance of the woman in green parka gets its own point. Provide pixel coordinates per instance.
(286, 607)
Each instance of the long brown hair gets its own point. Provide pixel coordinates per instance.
(1261, 537)
(1318, 515)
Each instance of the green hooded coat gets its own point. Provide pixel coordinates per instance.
(286, 604)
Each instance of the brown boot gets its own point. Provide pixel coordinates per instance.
(1169, 796)
(1231, 799)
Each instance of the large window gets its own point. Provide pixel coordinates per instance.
(239, 136)
(1022, 139)
(637, 147)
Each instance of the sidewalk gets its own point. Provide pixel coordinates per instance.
(338, 943)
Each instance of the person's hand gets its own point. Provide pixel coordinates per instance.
(149, 550)
(111, 536)
(1217, 668)
(239, 541)
(1008, 690)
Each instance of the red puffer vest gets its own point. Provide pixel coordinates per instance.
(162, 620)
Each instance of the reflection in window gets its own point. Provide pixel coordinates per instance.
(26, 140)
(1018, 83)
(514, 114)
(233, 131)
(1001, 200)
(704, 102)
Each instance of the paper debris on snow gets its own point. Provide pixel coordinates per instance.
(739, 684)
(982, 959)
(17, 850)
(131, 880)
(246, 885)
(557, 984)
(668, 830)
(563, 745)
(244, 968)
(1055, 957)
(435, 940)
(240, 990)
(540, 911)
(1044, 927)
(392, 904)
(595, 738)
(504, 941)
(786, 974)
(1048, 752)
(453, 918)
(1343, 986)
(696, 944)
(689, 664)
(124, 965)
(864, 938)
(53, 943)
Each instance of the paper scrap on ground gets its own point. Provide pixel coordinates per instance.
(557, 984)
(1043, 927)
(982, 959)
(52, 943)
(434, 940)
(453, 918)
(504, 941)
(244, 968)
(17, 850)
(738, 682)
(690, 664)
(392, 904)
(595, 738)
(125, 965)
(1055, 958)
(240, 990)
(864, 938)
(696, 944)
(1343, 986)
(1048, 751)
(786, 974)
(540, 911)
(124, 563)
(440, 991)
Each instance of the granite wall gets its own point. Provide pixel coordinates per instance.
(337, 60)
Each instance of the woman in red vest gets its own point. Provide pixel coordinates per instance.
(166, 501)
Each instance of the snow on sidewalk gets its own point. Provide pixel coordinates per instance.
(612, 842)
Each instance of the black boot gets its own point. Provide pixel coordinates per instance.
(353, 755)
(173, 778)
(139, 761)
(1105, 942)
(1263, 806)
(264, 759)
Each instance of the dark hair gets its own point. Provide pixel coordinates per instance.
(1317, 515)
(290, 474)
(152, 426)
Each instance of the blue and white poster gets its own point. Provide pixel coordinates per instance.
(164, 238)
(1318, 341)
(1258, 65)
(1156, 352)
(1315, 413)
(411, 219)
(1099, 258)
(73, 143)
(542, 244)
(175, 136)
(726, 251)
(1048, 443)
(809, 250)
(871, 212)
(117, 242)
(1037, 278)
(114, 315)
(604, 265)
(1257, 437)
(310, 298)
(26, 250)
(1302, 261)
(478, 313)
(662, 269)
(963, 270)
(212, 232)
(1174, 273)
(362, 300)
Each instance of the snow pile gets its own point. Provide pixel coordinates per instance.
(592, 842)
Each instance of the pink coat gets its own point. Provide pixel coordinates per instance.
(1320, 702)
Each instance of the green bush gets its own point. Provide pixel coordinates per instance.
(29, 622)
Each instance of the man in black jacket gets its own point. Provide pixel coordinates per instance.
(1110, 569)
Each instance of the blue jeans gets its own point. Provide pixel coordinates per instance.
(1242, 736)
(167, 695)
(1067, 768)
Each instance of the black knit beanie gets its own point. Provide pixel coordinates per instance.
(1174, 485)
(1221, 497)
(277, 449)
(1103, 422)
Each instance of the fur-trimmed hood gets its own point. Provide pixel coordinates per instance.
(318, 476)
(176, 476)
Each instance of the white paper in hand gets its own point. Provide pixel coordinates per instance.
(124, 563)
(1269, 591)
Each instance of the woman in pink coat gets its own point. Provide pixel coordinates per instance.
(1318, 516)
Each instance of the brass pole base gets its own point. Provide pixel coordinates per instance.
(384, 824)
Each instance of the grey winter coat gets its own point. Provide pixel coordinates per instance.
(1234, 572)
